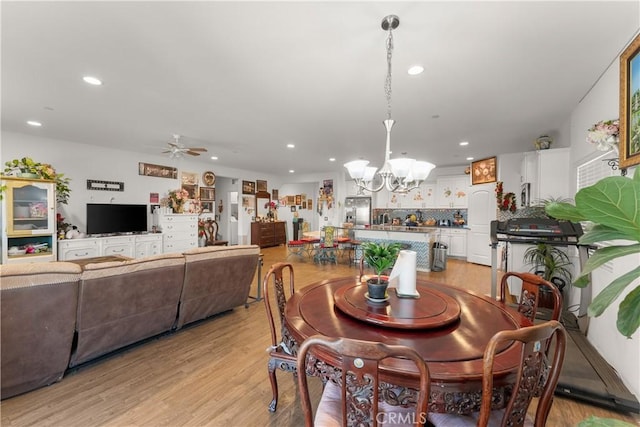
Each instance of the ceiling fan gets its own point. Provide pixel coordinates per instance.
(177, 149)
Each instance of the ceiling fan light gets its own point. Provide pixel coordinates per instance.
(356, 168)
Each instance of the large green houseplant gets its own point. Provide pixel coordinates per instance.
(612, 205)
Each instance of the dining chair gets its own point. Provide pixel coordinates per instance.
(326, 251)
(354, 401)
(537, 376)
(534, 291)
(282, 352)
(211, 233)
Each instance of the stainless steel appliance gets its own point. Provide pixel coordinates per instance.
(525, 195)
(358, 210)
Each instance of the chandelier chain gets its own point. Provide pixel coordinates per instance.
(387, 83)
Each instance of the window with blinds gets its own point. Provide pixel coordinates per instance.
(594, 170)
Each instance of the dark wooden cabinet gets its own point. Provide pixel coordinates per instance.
(266, 234)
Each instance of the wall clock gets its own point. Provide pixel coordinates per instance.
(209, 178)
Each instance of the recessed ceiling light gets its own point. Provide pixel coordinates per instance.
(214, 157)
(469, 158)
(33, 123)
(415, 70)
(463, 143)
(291, 171)
(332, 159)
(92, 80)
(291, 146)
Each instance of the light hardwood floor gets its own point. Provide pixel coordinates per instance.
(214, 373)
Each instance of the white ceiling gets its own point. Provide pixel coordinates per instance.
(243, 79)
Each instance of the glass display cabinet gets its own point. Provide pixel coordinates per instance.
(28, 220)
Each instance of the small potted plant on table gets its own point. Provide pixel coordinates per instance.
(380, 257)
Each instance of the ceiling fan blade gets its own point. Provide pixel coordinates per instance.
(173, 144)
(193, 153)
(204, 150)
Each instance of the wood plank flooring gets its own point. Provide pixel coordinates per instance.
(213, 373)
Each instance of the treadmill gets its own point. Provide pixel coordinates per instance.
(588, 377)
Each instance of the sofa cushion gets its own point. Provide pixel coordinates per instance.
(217, 279)
(123, 302)
(38, 313)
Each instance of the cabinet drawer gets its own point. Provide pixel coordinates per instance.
(78, 253)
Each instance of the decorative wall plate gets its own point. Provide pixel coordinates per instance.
(209, 178)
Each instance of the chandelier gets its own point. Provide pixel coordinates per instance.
(396, 175)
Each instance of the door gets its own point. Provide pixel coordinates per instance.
(482, 210)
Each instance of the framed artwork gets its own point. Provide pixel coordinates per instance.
(304, 204)
(484, 171)
(189, 178)
(629, 145)
(209, 178)
(293, 208)
(274, 194)
(310, 204)
(248, 187)
(207, 207)
(283, 202)
(291, 200)
(261, 185)
(298, 200)
(148, 169)
(207, 193)
(191, 189)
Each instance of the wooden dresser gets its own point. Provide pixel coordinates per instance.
(266, 234)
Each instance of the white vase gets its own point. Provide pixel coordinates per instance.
(609, 144)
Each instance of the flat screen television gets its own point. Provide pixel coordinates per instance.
(107, 218)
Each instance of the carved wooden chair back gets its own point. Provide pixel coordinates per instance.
(533, 289)
(277, 289)
(329, 234)
(537, 376)
(354, 400)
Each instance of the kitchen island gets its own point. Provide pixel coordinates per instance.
(419, 239)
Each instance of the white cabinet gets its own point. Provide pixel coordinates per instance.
(148, 244)
(455, 239)
(452, 191)
(69, 250)
(179, 231)
(131, 246)
(548, 172)
(118, 245)
(28, 220)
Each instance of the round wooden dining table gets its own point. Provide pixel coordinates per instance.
(448, 326)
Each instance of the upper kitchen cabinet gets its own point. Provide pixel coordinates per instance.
(422, 197)
(452, 191)
(547, 172)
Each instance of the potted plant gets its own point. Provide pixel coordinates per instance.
(611, 206)
(551, 263)
(380, 257)
(26, 167)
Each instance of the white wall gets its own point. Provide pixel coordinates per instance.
(81, 162)
(602, 103)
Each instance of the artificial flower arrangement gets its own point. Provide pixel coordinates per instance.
(271, 205)
(38, 170)
(605, 134)
(506, 202)
(177, 198)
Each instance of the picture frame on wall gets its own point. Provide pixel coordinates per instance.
(629, 145)
(274, 194)
(310, 204)
(298, 200)
(158, 171)
(207, 206)
(207, 193)
(261, 185)
(484, 171)
(291, 200)
(248, 187)
(293, 208)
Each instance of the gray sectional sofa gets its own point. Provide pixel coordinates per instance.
(58, 315)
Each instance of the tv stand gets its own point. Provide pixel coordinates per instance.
(130, 246)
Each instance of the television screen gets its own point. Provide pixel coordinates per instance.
(113, 218)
